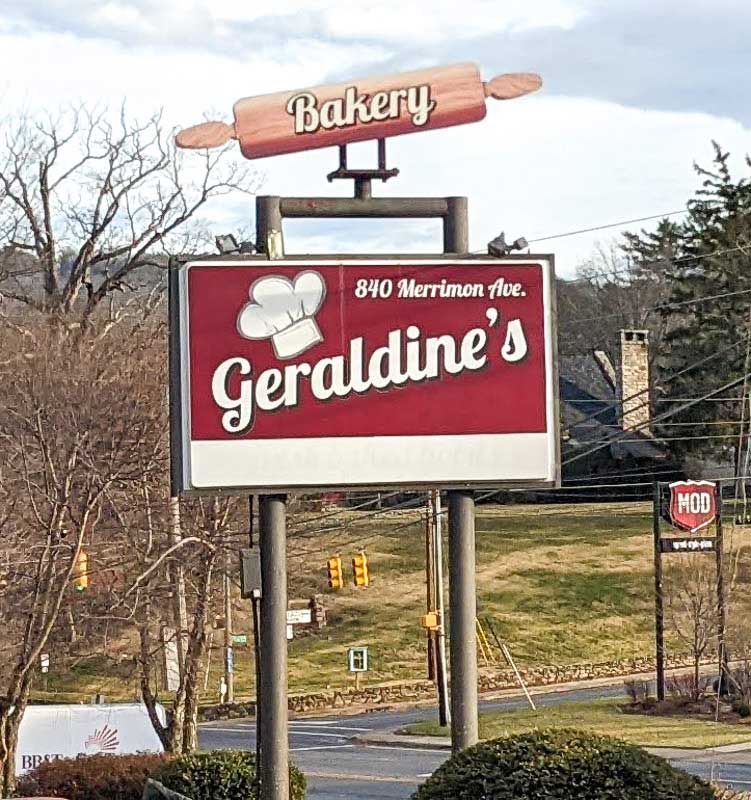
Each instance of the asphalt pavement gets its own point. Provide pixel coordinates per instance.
(339, 768)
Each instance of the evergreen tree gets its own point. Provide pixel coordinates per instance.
(707, 262)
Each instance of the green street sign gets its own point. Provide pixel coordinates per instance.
(240, 639)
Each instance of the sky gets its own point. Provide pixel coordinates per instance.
(634, 91)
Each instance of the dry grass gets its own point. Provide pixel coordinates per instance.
(605, 717)
(560, 583)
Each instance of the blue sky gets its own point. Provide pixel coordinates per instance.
(634, 92)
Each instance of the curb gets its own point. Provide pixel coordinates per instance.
(443, 743)
(404, 741)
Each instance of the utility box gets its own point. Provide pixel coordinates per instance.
(250, 573)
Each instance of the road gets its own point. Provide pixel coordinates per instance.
(339, 769)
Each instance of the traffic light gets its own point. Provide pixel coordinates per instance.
(336, 578)
(81, 572)
(360, 569)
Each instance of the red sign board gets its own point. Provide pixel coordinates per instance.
(370, 108)
(693, 504)
(333, 374)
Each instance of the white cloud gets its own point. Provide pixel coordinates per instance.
(223, 24)
(60, 67)
(537, 166)
(415, 20)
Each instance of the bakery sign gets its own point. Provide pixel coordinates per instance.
(693, 504)
(370, 108)
(364, 373)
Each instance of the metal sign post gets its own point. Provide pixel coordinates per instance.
(273, 699)
(463, 613)
(659, 599)
(270, 212)
(692, 506)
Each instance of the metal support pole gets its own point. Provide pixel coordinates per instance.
(274, 737)
(268, 218)
(456, 226)
(463, 612)
(256, 606)
(659, 610)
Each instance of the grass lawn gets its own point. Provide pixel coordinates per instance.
(605, 717)
(560, 583)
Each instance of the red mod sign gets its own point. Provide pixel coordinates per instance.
(331, 374)
(693, 504)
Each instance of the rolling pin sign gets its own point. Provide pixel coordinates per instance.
(374, 108)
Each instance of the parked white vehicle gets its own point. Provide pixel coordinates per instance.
(67, 731)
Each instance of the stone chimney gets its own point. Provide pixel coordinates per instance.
(634, 374)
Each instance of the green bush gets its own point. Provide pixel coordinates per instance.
(560, 765)
(220, 775)
(99, 777)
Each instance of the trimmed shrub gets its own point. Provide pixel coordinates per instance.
(560, 765)
(99, 777)
(220, 775)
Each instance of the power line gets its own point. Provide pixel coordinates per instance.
(664, 306)
(629, 271)
(378, 496)
(664, 415)
(704, 399)
(595, 228)
(645, 392)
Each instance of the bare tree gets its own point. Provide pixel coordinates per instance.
(691, 602)
(92, 204)
(78, 425)
(144, 602)
(610, 292)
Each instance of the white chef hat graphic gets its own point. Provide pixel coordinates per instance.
(283, 311)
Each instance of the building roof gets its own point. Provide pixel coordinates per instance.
(589, 414)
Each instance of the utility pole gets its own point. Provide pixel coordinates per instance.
(721, 603)
(177, 581)
(441, 672)
(229, 662)
(430, 586)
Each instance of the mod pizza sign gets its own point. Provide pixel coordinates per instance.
(693, 504)
(341, 374)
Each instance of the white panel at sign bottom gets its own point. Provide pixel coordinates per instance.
(66, 731)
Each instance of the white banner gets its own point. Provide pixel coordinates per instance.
(67, 731)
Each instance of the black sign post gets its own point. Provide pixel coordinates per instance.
(692, 543)
(659, 601)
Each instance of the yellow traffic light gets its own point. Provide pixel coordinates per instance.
(336, 579)
(81, 572)
(360, 569)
